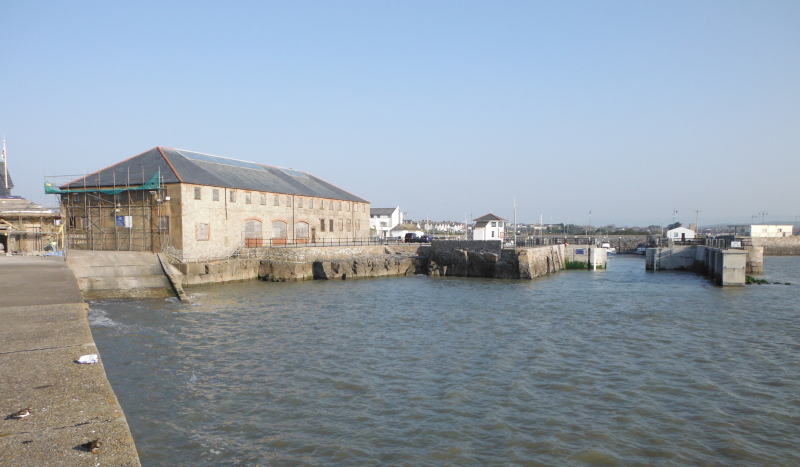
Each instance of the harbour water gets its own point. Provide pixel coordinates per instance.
(614, 367)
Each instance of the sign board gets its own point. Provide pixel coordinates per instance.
(736, 244)
(123, 221)
(579, 251)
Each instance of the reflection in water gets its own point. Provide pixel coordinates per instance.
(618, 366)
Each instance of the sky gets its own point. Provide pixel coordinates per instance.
(629, 110)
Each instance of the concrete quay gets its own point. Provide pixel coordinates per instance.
(45, 330)
(725, 267)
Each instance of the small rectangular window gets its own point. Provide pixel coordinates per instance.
(311, 204)
(330, 205)
(338, 205)
(247, 198)
(340, 225)
(300, 203)
(263, 198)
(276, 201)
(331, 225)
(232, 196)
(197, 192)
(322, 225)
(288, 201)
(215, 194)
(346, 206)
(349, 226)
(203, 232)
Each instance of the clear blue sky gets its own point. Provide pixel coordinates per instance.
(629, 109)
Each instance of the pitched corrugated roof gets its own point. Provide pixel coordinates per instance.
(179, 165)
(489, 217)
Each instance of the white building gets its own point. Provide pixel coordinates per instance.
(489, 227)
(400, 231)
(383, 220)
(680, 233)
(763, 230)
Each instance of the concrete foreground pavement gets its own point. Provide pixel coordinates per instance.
(44, 330)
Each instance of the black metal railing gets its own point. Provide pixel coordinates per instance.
(529, 242)
(723, 242)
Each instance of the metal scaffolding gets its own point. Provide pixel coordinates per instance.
(121, 217)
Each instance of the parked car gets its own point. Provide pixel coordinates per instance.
(425, 239)
(411, 238)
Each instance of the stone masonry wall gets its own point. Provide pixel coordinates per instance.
(786, 246)
(487, 259)
(308, 263)
(480, 259)
(223, 218)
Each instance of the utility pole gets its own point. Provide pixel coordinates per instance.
(674, 211)
(515, 221)
(696, 220)
(762, 216)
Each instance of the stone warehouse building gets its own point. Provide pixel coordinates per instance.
(203, 206)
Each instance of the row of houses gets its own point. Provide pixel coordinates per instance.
(389, 223)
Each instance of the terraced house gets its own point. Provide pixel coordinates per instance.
(202, 206)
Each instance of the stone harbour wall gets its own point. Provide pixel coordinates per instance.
(309, 263)
(786, 246)
(486, 259)
(441, 258)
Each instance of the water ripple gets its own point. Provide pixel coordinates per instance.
(613, 367)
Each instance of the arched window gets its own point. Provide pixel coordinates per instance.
(279, 229)
(301, 230)
(252, 234)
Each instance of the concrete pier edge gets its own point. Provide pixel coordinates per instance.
(45, 331)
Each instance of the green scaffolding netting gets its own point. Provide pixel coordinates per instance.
(153, 184)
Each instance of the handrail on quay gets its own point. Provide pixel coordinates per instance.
(722, 242)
